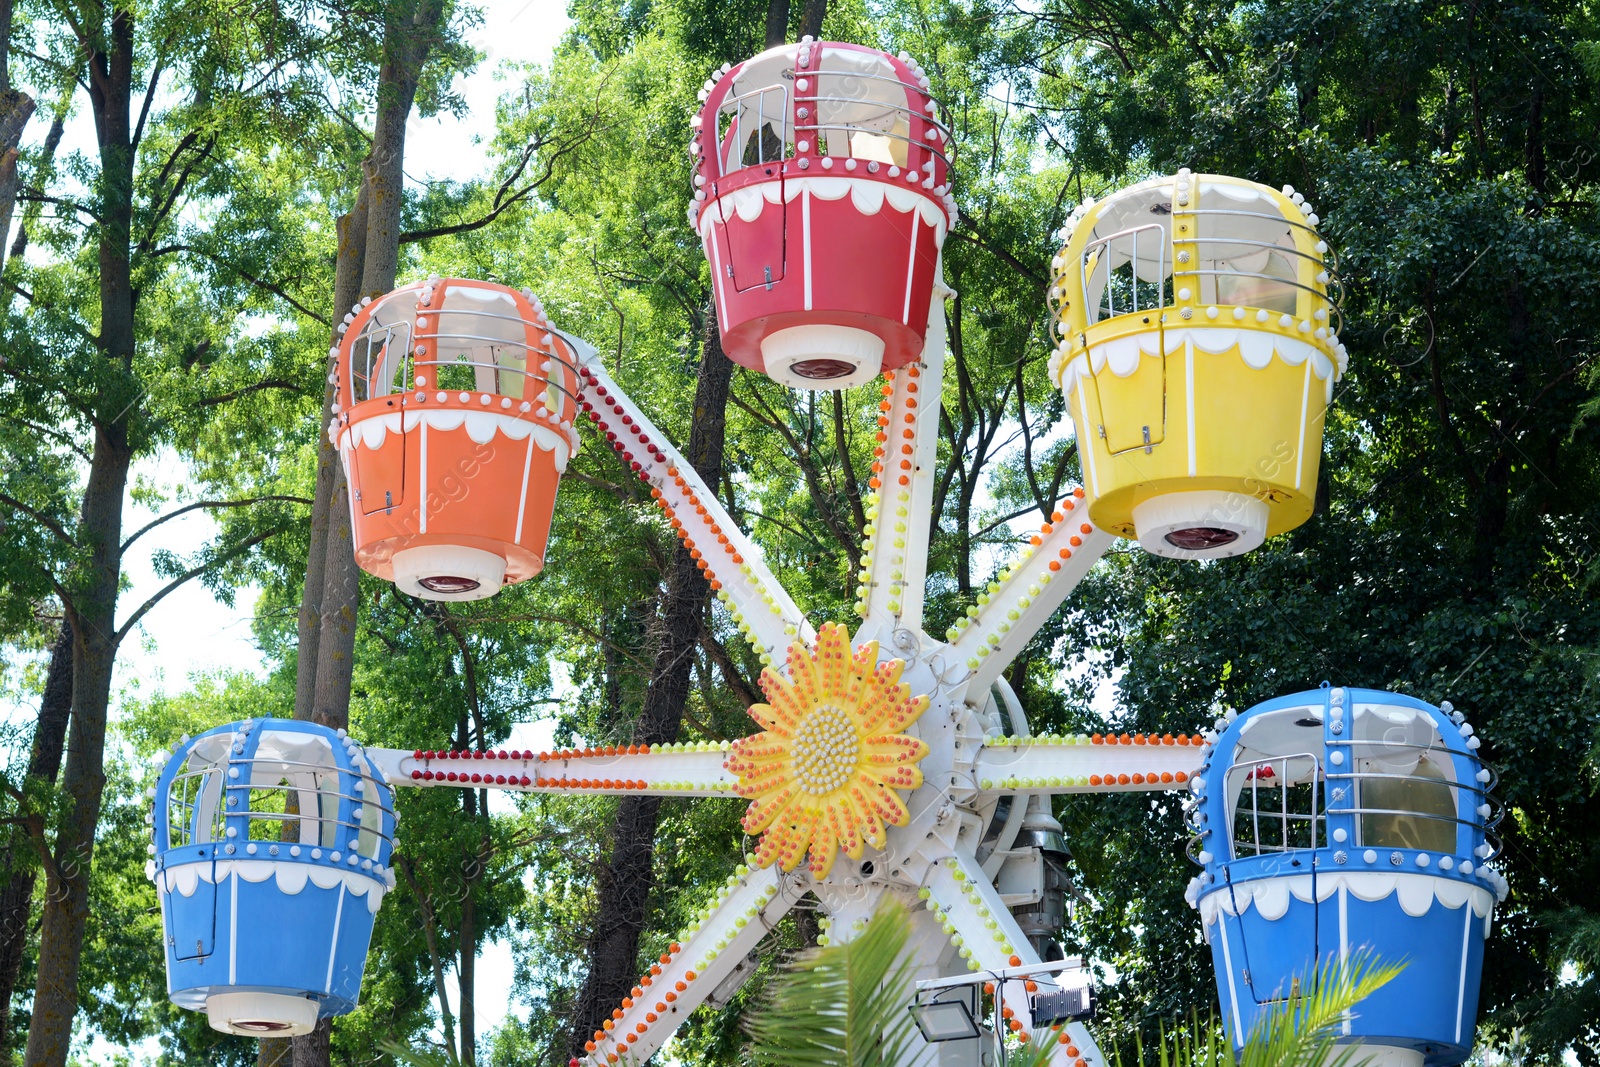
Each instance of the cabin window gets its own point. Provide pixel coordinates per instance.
(1275, 784)
(1275, 805)
(194, 800)
(1406, 791)
(1242, 253)
(851, 105)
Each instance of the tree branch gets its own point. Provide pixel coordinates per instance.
(55, 435)
(747, 693)
(41, 518)
(162, 210)
(41, 198)
(269, 383)
(156, 71)
(599, 638)
(977, 238)
(246, 275)
(501, 201)
(194, 572)
(852, 487)
(199, 504)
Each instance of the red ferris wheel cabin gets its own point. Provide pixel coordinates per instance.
(822, 199)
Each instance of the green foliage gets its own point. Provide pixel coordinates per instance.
(1449, 149)
(842, 1005)
(1302, 1031)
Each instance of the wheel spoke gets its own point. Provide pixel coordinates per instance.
(714, 953)
(767, 616)
(996, 945)
(894, 556)
(1062, 553)
(665, 770)
(1098, 764)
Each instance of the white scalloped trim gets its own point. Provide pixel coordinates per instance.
(867, 194)
(481, 427)
(1417, 893)
(1122, 354)
(185, 878)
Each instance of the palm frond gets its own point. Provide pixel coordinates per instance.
(1301, 1031)
(416, 1057)
(843, 1005)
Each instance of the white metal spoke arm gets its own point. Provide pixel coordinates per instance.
(715, 954)
(1078, 764)
(993, 941)
(894, 553)
(665, 770)
(766, 614)
(1013, 609)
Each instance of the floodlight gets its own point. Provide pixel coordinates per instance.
(944, 1020)
(1064, 1005)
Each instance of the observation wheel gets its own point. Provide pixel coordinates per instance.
(1196, 330)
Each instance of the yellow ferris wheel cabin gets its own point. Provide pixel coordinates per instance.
(1197, 324)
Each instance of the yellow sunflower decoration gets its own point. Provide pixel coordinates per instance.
(824, 772)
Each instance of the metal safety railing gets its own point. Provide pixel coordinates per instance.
(1158, 294)
(1144, 295)
(1292, 824)
(199, 803)
(1400, 810)
(767, 145)
(769, 135)
(390, 348)
(1327, 263)
(512, 367)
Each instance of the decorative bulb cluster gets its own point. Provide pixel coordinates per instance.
(625, 1036)
(713, 931)
(826, 750)
(994, 929)
(476, 778)
(1082, 780)
(488, 776)
(941, 915)
(695, 746)
(1095, 739)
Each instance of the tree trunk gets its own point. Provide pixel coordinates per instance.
(407, 41)
(467, 973)
(811, 17)
(16, 108)
(624, 883)
(42, 176)
(15, 111)
(777, 23)
(44, 763)
(66, 906)
(352, 230)
(93, 586)
(374, 226)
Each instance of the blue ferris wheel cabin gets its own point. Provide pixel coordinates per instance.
(1342, 824)
(271, 852)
